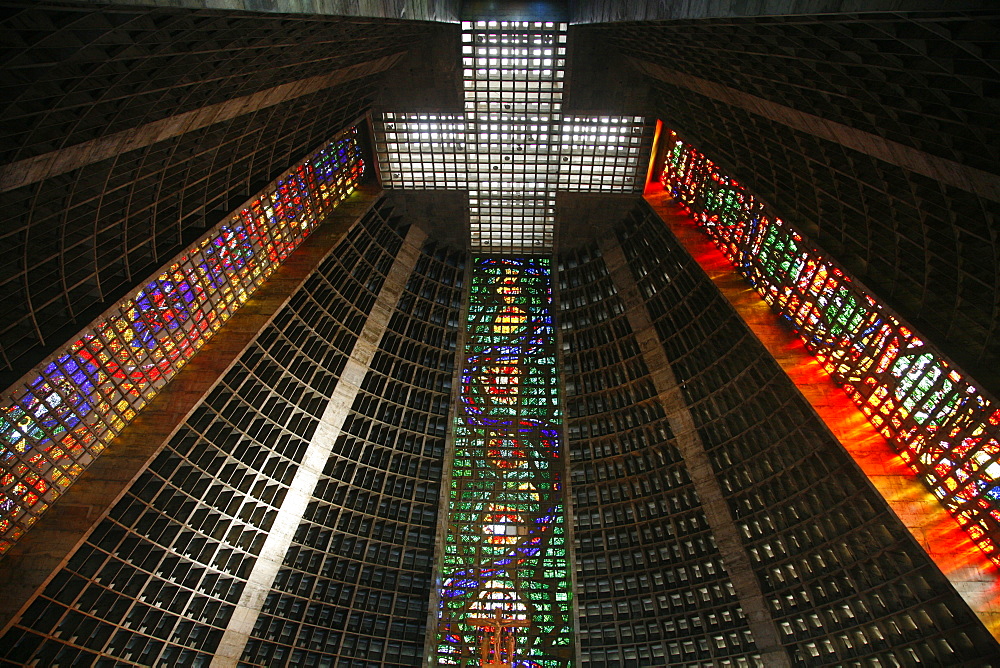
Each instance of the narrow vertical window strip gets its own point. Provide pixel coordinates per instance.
(53, 426)
(505, 596)
(941, 424)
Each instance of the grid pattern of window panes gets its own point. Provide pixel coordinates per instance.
(514, 67)
(422, 151)
(652, 586)
(361, 560)
(54, 425)
(512, 149)
(939, 421)
(505, 563)
(514, 75)
(604, 153)
(816, 532)
(157, 580)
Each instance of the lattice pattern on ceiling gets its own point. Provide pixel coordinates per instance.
(512, 148)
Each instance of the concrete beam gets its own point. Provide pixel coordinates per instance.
(699, 467)
(53, 163)
(982, 183)
(39, 555)
(300, 491)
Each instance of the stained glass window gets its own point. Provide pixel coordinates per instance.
(505, 594)
(938, 420)
(56, 422)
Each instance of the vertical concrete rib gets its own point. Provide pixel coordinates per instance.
(734, 555)
(567, 471)
(273, 552)
(444, 500)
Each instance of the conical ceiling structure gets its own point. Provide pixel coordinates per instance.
(386, 336)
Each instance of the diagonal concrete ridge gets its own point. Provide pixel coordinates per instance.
(44, 166)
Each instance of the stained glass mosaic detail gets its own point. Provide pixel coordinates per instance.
(66, 412)
(512, 148)
(505, 595)
(936, 418)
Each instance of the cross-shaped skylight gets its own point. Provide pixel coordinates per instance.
(512, 148)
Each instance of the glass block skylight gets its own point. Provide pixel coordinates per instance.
(512, 147)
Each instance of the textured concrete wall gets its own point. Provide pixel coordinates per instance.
(310, 470)
(604, 11)
(130, 130)
(415, 10)
(54, 163)
(600, 80)
(644, 521)
(696, 460)
(203, 540)
(970, 571)
(817, 534)
(35, 559)
(855, 129)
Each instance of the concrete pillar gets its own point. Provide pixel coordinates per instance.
(970, 571)
(272, 554)
(699, 467)
(39, 555)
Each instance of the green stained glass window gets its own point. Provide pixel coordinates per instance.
(505, 594)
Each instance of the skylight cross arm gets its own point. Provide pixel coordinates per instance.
(423, 151)
(518, 148)
(604, 153)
